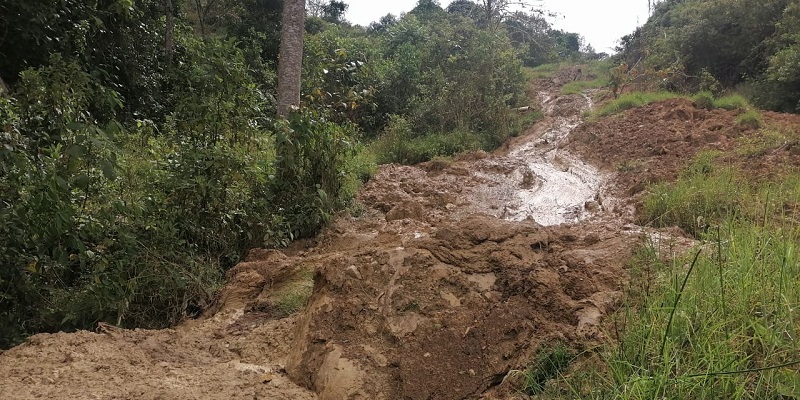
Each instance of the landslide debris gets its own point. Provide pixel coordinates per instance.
(437, 290)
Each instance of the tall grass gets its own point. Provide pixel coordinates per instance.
(721, 322)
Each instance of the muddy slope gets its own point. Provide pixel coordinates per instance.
(455, 274)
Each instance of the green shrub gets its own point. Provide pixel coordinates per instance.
(399, 145)
(704, 100)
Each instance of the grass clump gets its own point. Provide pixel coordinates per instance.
(732, 102)
(577, 87)
(294, 295)
(550, 362)
(633, 100)
(542, 71)
(400, 143)
(750, 118)
(703, 100)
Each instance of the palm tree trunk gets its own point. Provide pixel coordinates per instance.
(290, 63)
(290, 58)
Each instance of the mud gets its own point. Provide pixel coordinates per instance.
(453, 277)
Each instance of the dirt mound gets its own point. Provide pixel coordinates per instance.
(212, 361)
(447, 316)
(653, 143)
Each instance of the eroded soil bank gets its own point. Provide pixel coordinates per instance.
(455, 274)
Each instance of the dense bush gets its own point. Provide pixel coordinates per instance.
(718, 44)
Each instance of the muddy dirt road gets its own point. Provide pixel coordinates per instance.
(455, 275)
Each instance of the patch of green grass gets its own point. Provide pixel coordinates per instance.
(414, 150)
(704, 195)
(542, 71)
(633, 100)
(578, 87)
(732, 102)
(549, 363)
(704, 100)
(701, 100)
(750, 118)
(763, 141)
(720, 322)
(294, 296)
(360, 167)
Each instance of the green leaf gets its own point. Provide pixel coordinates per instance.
(76, 126)
(61, 183)
(76, 150)
(82, 181)
(109, 171)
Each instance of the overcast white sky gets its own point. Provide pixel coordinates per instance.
(600, 22)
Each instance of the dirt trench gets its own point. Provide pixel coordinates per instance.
(455, 275)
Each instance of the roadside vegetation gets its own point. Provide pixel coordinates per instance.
(719, 321)
(718, 45)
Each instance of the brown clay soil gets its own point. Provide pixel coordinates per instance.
(451, 279)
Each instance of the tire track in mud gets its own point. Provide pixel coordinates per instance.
(448, 281)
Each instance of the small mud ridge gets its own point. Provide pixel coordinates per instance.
(453, 277)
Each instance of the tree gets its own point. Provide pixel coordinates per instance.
(334, 11)
(466, 8)
(290, 58)
(169, 31)
(211, 14)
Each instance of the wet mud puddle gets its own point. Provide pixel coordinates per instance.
(537, 180)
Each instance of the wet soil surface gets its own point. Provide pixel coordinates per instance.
(454, 275)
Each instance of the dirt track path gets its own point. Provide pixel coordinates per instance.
(450, 280)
